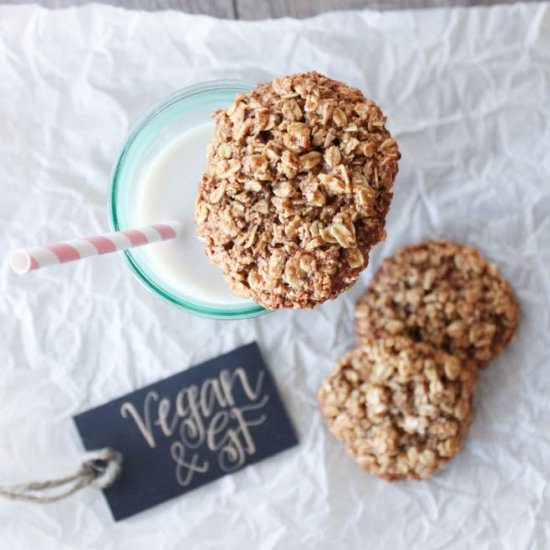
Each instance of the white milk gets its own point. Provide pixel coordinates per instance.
(166, 192)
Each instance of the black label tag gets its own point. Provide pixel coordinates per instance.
(187, 430)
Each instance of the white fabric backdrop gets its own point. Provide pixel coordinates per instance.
(467, 93)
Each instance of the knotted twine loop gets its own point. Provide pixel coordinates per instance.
(99, 469)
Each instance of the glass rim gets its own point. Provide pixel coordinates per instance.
(229, 312)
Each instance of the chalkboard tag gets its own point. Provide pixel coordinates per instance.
(189, 429)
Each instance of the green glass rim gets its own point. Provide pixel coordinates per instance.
(226, 312)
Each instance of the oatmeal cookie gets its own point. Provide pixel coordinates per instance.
(296, 190)
(443, 293)
(402, 408)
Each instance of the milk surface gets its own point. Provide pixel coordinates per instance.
(166, 192)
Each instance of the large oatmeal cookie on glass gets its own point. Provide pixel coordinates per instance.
(296, 191)
(443, 293)
(402, 408)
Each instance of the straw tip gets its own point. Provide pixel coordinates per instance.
(20, 262)
(177, 227)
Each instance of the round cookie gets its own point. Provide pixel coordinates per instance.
(401, 407)
(296, 190)
(443, 293)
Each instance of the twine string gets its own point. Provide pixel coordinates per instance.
(99, 469)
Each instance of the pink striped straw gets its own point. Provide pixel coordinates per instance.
(25, 260)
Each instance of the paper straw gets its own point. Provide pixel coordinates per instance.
(29, 259)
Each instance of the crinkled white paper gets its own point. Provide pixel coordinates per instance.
(467, 94)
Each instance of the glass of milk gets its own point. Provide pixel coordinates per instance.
(156, 179)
